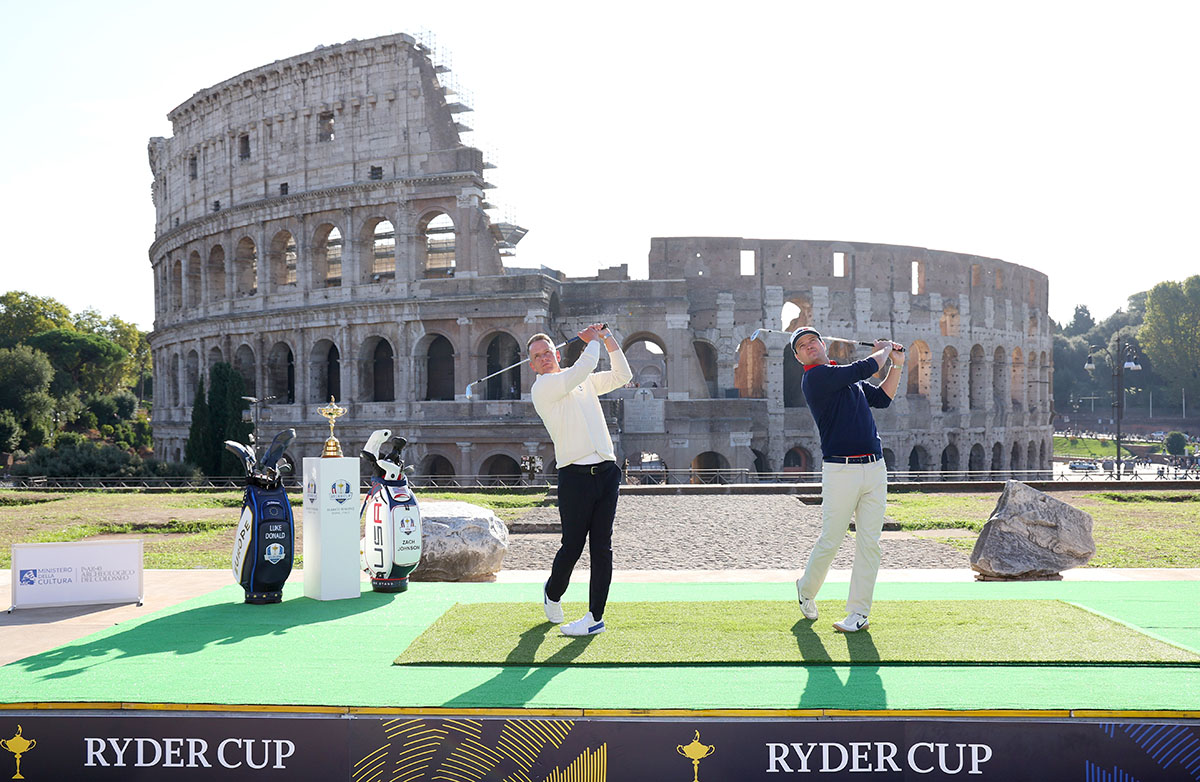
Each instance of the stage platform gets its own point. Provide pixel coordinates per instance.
(308, 689)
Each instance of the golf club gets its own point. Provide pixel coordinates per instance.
(758, 334)
(468, 393)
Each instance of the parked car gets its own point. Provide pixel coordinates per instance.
(1083, 466)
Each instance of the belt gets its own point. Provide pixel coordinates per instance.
(867, 459)
(589, 469)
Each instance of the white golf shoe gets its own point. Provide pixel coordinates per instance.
(808, 605)
(585, 625)
(852, 624)
(554, 612)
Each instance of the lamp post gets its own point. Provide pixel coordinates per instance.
(1118, 374)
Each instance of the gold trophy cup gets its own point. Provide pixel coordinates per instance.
(18, 745)
(696, 752)
(333, 411)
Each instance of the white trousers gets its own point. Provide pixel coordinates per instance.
(849, 489)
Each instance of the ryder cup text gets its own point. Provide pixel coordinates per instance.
(923, 757)
(187, 753)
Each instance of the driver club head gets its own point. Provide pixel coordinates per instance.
(243, 453)
(277, 447)
(758, 334)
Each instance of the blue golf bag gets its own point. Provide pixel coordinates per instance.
(265, 545)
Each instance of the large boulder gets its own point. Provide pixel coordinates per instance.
(460, 542)
(1031, 535)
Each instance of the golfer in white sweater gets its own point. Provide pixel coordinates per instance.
(588, 476)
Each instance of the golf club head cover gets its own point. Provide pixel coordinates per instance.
(265, 544)
(391, 543)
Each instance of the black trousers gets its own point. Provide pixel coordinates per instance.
(586, 507)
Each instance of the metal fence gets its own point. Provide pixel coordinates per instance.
(633, 477)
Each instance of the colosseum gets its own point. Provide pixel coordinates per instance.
(322, 227)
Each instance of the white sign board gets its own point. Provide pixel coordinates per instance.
(80, 573)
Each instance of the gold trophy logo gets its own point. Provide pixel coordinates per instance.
(695, 752)
(18, 745)
(333, 412)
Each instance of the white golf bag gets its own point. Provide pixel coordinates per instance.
(391, 516)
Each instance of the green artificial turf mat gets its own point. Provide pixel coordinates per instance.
(761, 631)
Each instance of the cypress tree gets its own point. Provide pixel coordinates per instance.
(199, 448)
(225, 406)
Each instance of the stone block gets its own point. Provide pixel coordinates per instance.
(1030, 535)
(460, 542)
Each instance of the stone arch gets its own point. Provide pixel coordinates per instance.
(793, 379)
(379, 234)
(706, 359)
(647, 357)
(215, 356)
(889, 459)
(173, 379)
(244, 363)
(215, 272)
(191, 375)
(710, 467)
(950, 462)
(435, 363)
(435, 466)
(796, 312)
(326, 262)
(281, 259)
(1031, 457)
(798, 459)
(951, 390)
(500, 469)
(920, 369)
(436, 244)
(1031, 387)
(975, 460)
(1044, 385)
(281, 374)
(573, 352)
(918, 460)
(378, 362)
(176, 284)
(1000, 379)
(997, 460)
(760, 461)
(194, 274)
(976, 379)
(324, 372)
(1014, 462)
(245, 267)
(750, 374)
(500, 350)
(1017, 384)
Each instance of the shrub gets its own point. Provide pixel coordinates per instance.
(10, 431)
(1175, 443)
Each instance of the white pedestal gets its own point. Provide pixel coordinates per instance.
(332, 570)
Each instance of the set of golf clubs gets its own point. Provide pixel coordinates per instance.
(759, 334)
(266, 472)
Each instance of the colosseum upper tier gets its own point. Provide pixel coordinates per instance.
(322, 227)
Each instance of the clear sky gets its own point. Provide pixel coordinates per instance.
(1061, 136)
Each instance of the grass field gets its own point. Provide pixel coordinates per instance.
(1088, 448)
(193, 529)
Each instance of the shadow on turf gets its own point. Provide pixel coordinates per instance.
(192, 630)
(522, 682)
(824, 688)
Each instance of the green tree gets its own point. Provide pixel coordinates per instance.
(225, 406)
(23, 315)
(25, 377)
(10, 431)
(1175, 443)
(200, 449)
(125, 334)
(1170, 335)
(87, 363)
(1082, 323)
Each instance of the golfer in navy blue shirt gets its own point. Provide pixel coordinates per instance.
(853, 473)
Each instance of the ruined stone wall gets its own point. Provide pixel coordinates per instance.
(347, 282)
